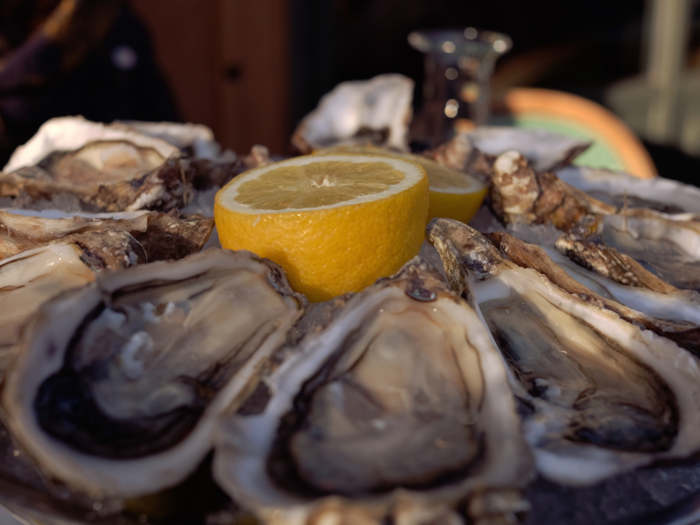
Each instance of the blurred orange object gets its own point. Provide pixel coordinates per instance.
(616, 147)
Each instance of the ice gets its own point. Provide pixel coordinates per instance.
(202, 202)
(6, 518)
(623, 499)
(485, 221)
(544, 235)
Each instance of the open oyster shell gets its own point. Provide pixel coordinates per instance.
(107, 167)
(375, 111)
(117, 386)
(399, 409)
(620, 189)
(666, 245)
(196, 140)
(673, 314)
(163, 236)
(209, 166)
(520, 194)
(475, 152)
(544, 150)
(601, 396)
(35, 276)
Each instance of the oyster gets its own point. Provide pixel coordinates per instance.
(357, 112)
(673, 314)
(666, 245)
(209, 166)
(108, 168)
(611, 264)
(519, 194)
(544, 150)
(399, 409)
(476, 151)
(195, 140)
(621, 278)
(601, 395)
(163, 236)
(620, 189)
(460, 154)
(117, 386)
(34, 276)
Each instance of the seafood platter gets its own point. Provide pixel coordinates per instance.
(539, 364)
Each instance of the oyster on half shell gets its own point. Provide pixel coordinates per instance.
(601, 395)
(475, 152)
(107, 167)
(209, 166)
(30, 278)
(674, 314)
(163, 236)
(666, 245)
(399, 409)
(117, 386)
(620, 189)
(544, 150)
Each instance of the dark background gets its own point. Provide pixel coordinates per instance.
(251, 70)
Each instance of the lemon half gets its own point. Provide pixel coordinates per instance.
(453, 194)
(335, 223)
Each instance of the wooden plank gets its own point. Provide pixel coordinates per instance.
(185, 40)
(255, 93)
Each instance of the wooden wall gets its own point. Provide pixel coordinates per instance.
(227, 62)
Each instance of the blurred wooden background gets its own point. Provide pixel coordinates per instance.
(227, 63)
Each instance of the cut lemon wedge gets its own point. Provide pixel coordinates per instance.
(335, 223)
(453, 194)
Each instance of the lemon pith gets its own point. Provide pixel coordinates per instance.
(340, 224)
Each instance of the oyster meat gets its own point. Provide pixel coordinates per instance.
(34, 276)
(107, 167)
(399, 409)
(117, 386)
(600, 395)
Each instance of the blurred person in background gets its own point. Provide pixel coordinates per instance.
(75, 57)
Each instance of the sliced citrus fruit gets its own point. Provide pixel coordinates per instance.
(335, 223)
(453, 194)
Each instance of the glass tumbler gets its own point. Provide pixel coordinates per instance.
(458, 68)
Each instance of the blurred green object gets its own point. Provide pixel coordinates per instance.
(599, 155)
(614, 146)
